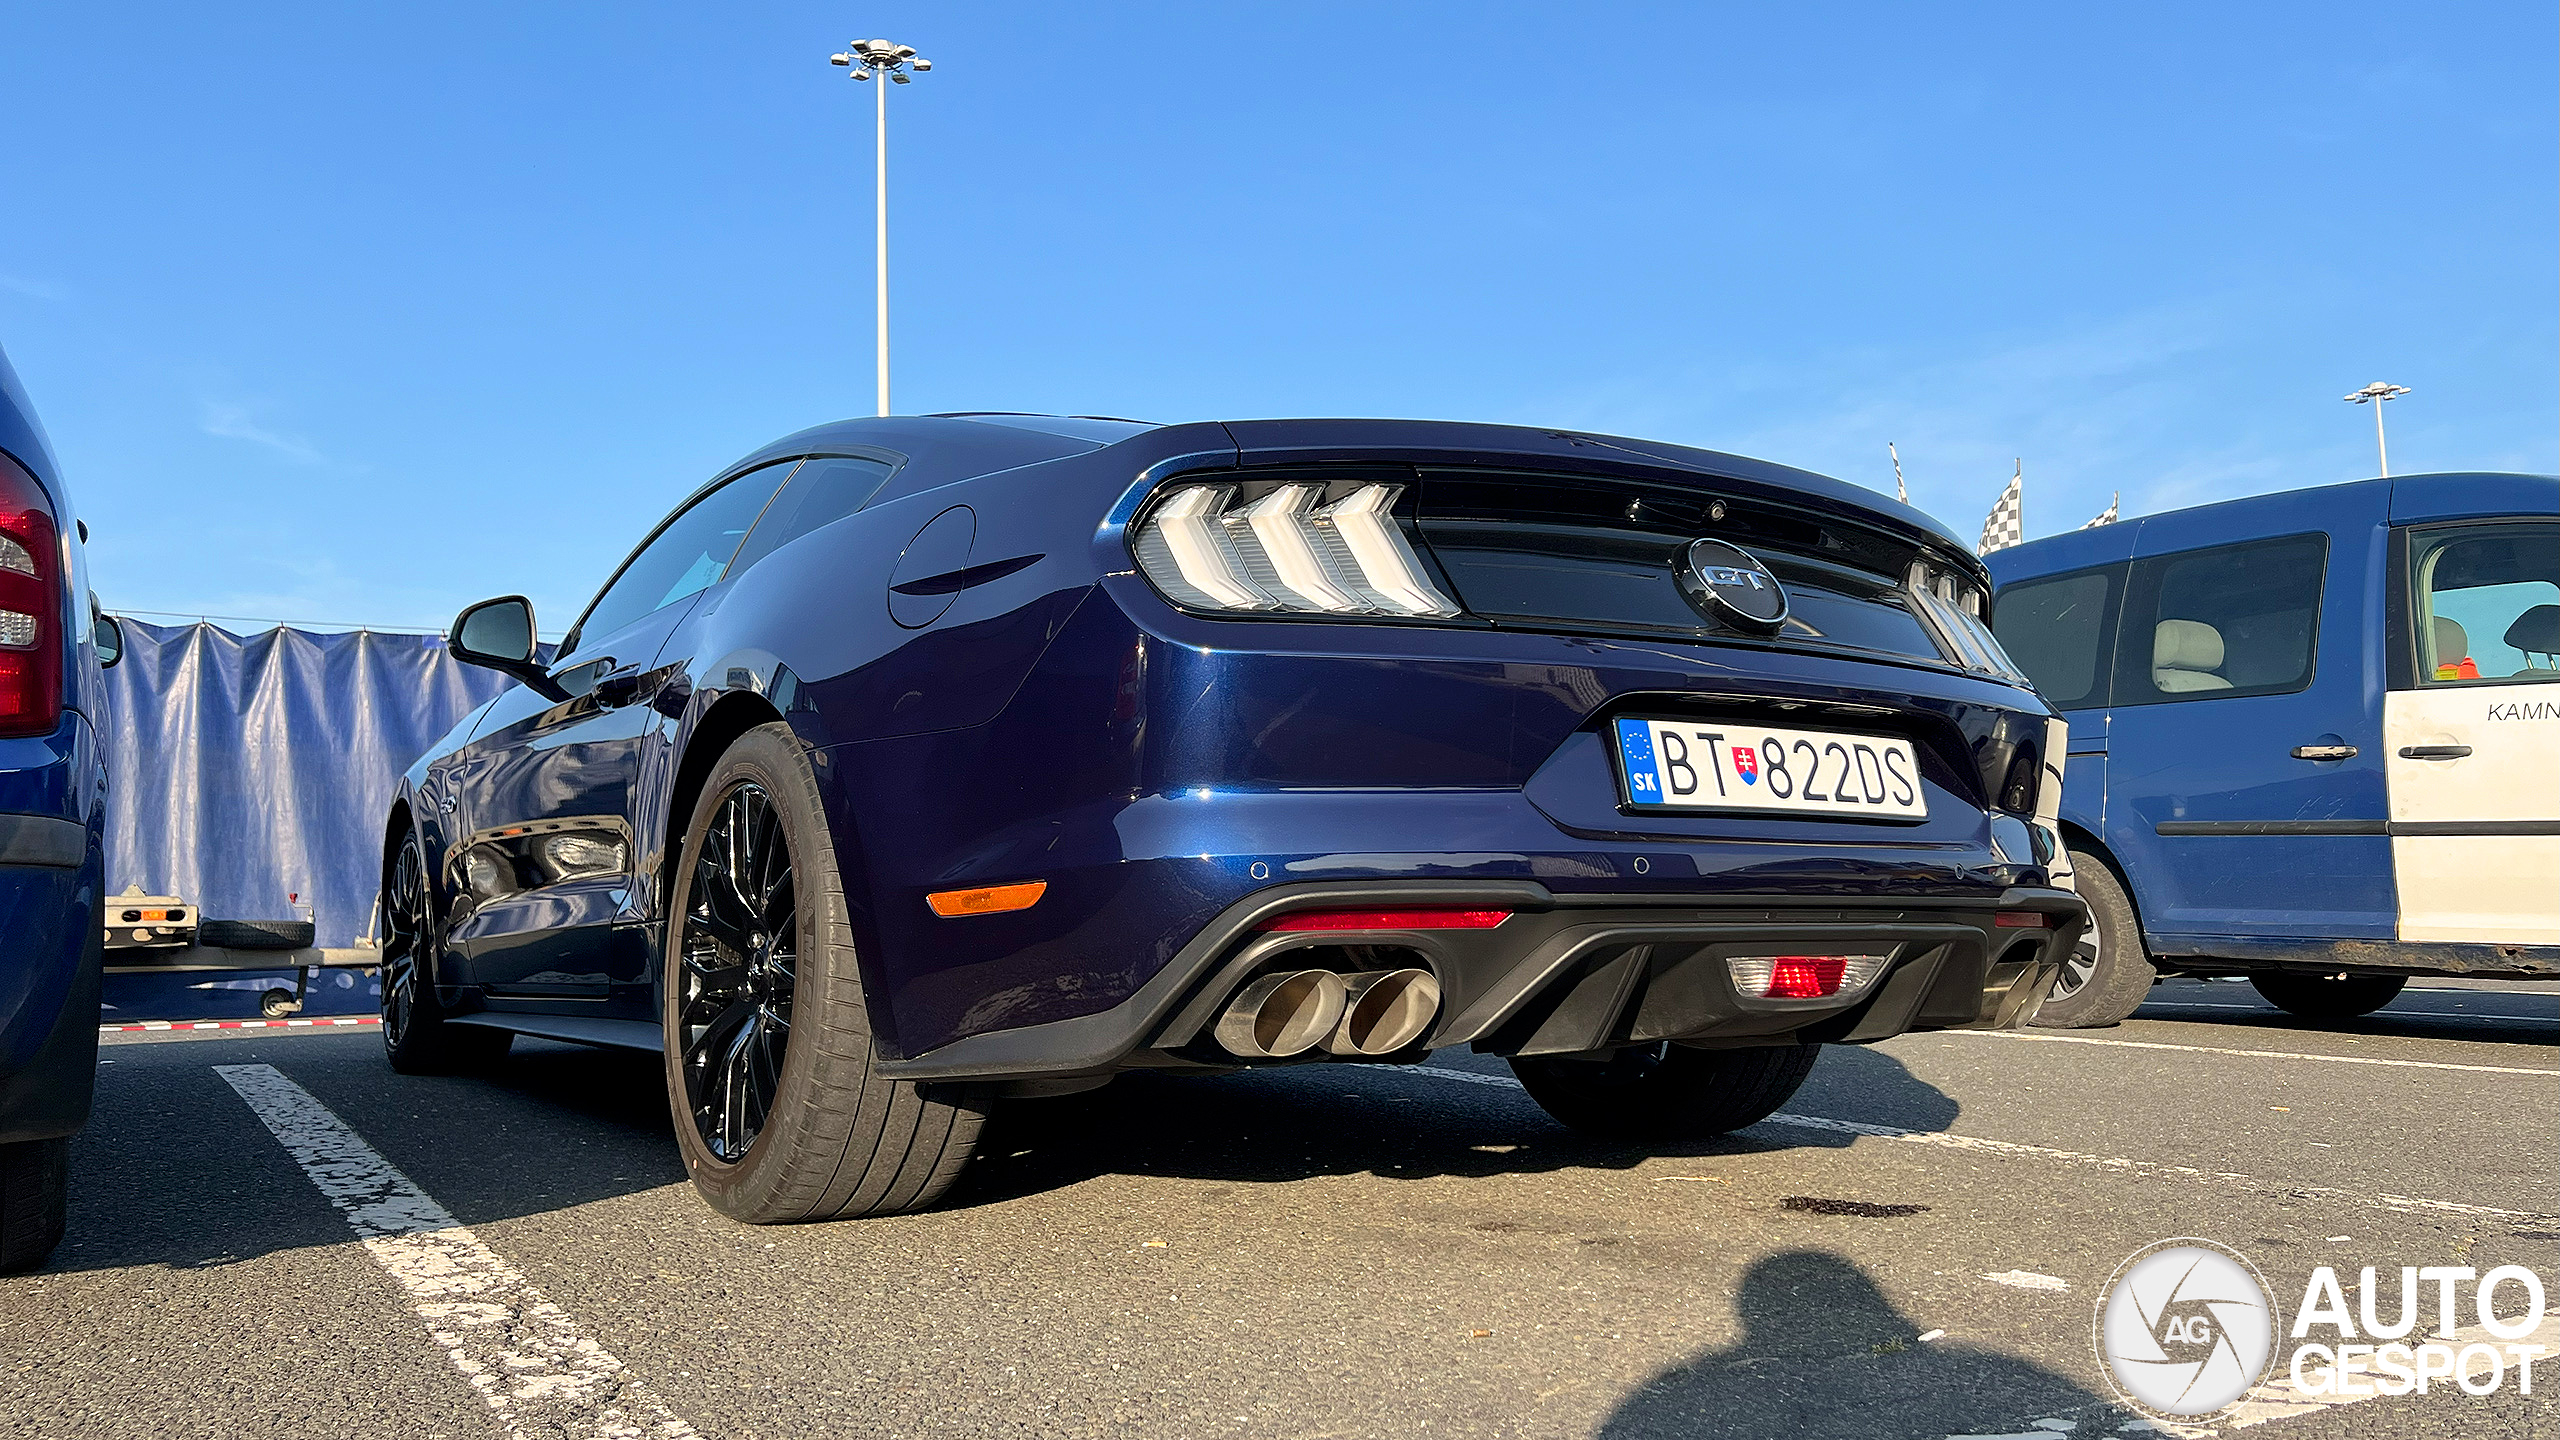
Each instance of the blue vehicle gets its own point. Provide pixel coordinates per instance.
(917, 763)
(53, 796)
(2314, 738)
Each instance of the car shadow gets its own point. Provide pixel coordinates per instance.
(1277, 1125)
(175, 1171)
(1815, 1327)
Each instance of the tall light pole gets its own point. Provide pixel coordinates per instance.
(2373, 395)
(888, 63)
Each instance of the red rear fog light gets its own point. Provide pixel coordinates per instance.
(1803, 977)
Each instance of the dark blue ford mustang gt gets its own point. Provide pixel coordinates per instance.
(917, 763)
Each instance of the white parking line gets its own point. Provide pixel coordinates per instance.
(2404, 1203)
(2252, 1054)
(522, 1353)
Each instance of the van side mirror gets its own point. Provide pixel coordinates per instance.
(498, 635)
(109, 640)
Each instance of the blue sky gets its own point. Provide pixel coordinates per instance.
(338, 313)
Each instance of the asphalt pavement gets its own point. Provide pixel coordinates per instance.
(1914, 1248)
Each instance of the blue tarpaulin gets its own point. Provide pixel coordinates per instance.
(243, 769)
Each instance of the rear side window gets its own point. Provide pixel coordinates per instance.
(2057, 630)
(687, 556)
(824, 490)
(2215, 624)
(2488, 603)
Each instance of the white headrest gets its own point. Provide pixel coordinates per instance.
(2452, 641)
(2185, 645)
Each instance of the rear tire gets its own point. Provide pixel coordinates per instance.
(1666, 1091)
(418, 1038)
(2108, 974)
(35, 1189)
(779, 1111)
(2328, 997)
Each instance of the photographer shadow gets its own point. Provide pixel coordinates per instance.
(1814, 1329)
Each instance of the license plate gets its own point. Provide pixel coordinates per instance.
(1704, 765)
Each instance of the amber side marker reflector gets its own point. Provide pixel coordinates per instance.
(992, 900)
(2020, 920)
(1435, 919)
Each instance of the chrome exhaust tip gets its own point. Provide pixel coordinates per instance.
(1384, 1011)
(1283, 1014)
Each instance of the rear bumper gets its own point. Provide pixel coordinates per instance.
(1569, 973)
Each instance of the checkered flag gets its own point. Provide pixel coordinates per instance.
(2108, 515)
(2006, 525)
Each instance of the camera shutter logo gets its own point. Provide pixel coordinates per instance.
(1729, 584)
(2185, 1328)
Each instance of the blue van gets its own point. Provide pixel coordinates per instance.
(2314, 738)
(53, 805)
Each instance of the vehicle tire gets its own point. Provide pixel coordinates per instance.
(1665, 1091)
(2108, 974)
(35, 1186)
(255, 934)
(417, 1037)
(779, 1111)
(2328, 997)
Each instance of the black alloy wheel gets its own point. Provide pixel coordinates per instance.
(739, 952)
(417, 1037)
(404, 926)
(759, 953)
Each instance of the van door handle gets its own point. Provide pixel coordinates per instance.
(2434, 752)
(2324, 752)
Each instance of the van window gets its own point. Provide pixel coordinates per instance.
(2216, 624)
(2488, 608)
(2057, 631)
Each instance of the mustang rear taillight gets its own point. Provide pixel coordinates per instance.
(1951, 606)
(30, 607)
(1306, 920)
(1803, 977)
(1301, 547)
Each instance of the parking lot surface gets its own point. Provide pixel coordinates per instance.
(1912, 1248)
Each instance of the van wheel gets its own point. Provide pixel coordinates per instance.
(2328, 997)
(1665, 1091)
(2108, 974)
(35, 1186)
(779, 1112)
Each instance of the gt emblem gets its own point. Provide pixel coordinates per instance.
(1746, 763)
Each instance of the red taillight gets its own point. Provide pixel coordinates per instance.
(30, 607)
(2020, 920)
(1389, 920)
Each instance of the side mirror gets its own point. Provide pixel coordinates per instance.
(109, 640)
(498, 634)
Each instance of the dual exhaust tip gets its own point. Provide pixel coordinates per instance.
(1375, 1012)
